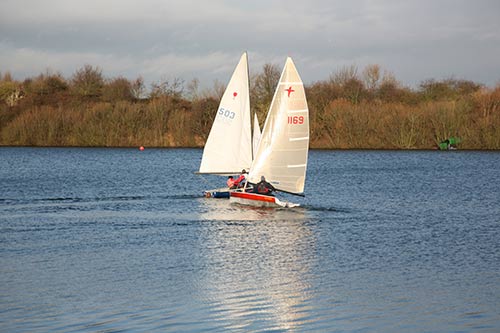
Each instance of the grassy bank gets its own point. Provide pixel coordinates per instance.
(347, 111)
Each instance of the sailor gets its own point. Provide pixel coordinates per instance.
(263, 187)
(230, 182)
(241, 180)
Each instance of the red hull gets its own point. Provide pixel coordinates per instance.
(259, 200)
(253, 196)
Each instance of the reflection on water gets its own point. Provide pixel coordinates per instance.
(222, 210)
(259, 265)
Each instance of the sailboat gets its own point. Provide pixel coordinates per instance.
(284, 145)
(228, 148)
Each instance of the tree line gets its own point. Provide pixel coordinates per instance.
(352, 109)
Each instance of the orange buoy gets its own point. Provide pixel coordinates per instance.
(141, 148)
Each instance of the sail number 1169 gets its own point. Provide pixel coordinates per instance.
(295, 120)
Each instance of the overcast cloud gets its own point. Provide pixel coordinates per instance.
(163, 39)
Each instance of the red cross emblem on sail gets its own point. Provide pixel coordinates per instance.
(290, 90)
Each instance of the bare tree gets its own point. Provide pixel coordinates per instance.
(7, 77)
(172, 88)
(371, 76)
(193, 90)
(117, 89)
(262, 91)
(217, 90)
(138, 88)
(265, 83)
(344, 75)
(88, 82)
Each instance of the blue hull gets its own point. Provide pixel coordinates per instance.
(217, 194)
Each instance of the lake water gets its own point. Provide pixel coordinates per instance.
(108, 240)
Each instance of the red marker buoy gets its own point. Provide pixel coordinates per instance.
(141, 148)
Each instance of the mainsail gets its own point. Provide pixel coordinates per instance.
(228, 149)
(282, 153)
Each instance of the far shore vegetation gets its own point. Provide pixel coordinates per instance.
(351, 109)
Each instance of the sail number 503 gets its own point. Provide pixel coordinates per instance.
(226, 113)
(295, 120)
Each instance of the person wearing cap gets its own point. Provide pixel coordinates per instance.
(241, 180)
(263, 187)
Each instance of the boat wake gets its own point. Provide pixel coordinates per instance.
(326, 209)
(52, 200)
(180, 197)
(70, 200)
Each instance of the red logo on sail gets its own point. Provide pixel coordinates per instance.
(290, 90)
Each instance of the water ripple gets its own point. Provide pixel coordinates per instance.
(390, 241)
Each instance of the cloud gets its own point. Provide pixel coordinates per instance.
(413, 39)
(166, 66)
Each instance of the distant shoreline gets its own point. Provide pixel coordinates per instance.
(201, 147)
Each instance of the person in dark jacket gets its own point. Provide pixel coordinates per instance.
(263, 187)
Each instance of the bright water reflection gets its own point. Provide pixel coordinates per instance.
(258, 266)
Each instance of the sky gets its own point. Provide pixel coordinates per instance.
(415, 40)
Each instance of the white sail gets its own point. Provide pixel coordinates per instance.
(256, 134)
(282, 153)
(228, 149)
